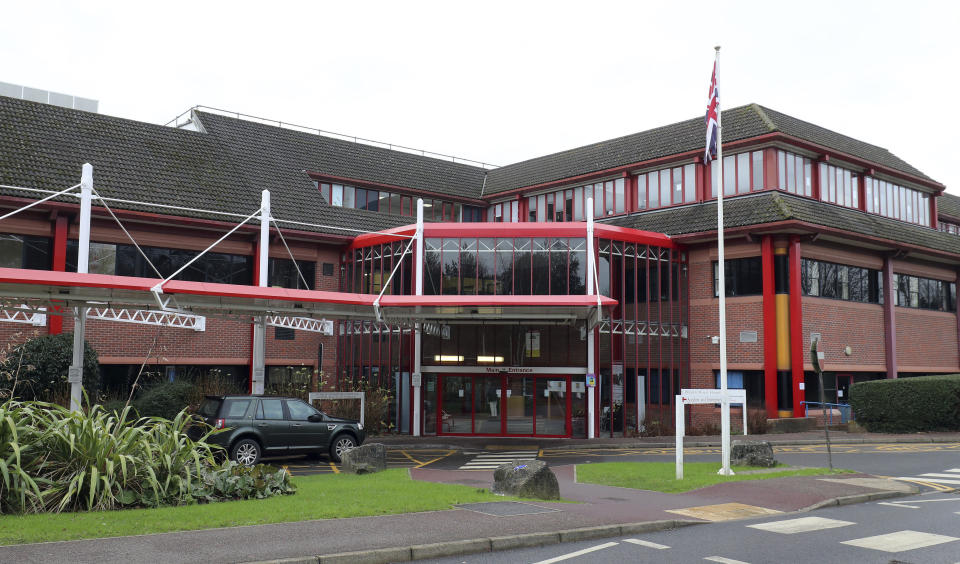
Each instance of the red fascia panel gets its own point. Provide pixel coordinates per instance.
(629, 235)
(73, 279)
(493, 301)
(265, 293)
(388, 236)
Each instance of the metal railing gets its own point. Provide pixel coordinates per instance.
(827, 409)
(185, 118)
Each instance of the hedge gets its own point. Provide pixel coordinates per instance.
(908, 405)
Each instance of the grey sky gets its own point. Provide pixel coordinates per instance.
(505, 81)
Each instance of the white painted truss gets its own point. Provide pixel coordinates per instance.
(321, 326)
(23, 314)
(149, 317)
(642, 328)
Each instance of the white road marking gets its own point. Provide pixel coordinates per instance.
(953, 470)
(900, 541)
(577, 553)
(801, 525)
(490, 460)
(893, 504)
(723, 560)
(942, 475)
(647, 544)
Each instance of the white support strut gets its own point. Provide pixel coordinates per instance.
(75, 372)
(322, 326)
(259, 324)
(591, 328)
(23, 315)
(149, 317)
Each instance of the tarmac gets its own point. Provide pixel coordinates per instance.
(598, 512)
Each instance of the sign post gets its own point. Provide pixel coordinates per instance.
(816, 358)
(700, 396)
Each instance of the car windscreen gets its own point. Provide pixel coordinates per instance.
(209, 407)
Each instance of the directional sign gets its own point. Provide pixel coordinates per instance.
(711, 395)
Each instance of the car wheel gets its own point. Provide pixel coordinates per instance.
(246, 452)
(340, 445)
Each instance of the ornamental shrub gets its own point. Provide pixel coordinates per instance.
(37, 369)
(232, 481)
(165, 400)
(908, 405)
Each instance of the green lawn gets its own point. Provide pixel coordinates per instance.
(325, 496)
(661, 476)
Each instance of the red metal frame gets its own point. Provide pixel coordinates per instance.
(59, 265)
(769, 327)
(796, 326)
(504, 382)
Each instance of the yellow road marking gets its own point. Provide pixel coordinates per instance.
(334, 468)
(421, 465)
(407, 454)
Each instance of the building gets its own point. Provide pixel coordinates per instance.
(506, 326)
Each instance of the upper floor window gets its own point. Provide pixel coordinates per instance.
(895, 201)
(25, 251)
(744, 277)
(947, 227)
(504, 212)
(341, 195)
(284, 274)
(667, 187)
(839, 186)
(924, 293)
(742, 173)
(794, 174)
(841, 282)
(125, 260)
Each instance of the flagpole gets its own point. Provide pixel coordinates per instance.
(722, 291)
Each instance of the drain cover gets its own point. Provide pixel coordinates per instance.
(505, 508)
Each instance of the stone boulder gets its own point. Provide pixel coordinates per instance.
(364, 459)
(526, 478)
(752, 453)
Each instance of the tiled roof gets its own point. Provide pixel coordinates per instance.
(773, 206)
(276, 156)
(949, 205)
(44, 146)
(738, 123)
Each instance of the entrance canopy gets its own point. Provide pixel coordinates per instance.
(42, 288)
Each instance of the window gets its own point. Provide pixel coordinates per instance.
(299, 411)
(283, 274)
(839, 186)
(897, 202)
(667, 187)
(126, 260)
(742, 173)
(744, 277)
(270, 409)
(284, 334)
(327, 269)
(25, 251)
(840, 282)
(924, 293)
(795, 174)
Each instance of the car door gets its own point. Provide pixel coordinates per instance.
(272, 426)
(306, 434)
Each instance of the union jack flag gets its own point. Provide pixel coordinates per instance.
(713, 110)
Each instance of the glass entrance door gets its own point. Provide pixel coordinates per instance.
(527, 405)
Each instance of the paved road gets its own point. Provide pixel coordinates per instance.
(917, 529)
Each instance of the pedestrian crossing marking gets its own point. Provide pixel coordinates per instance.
(900, 541)
(725, 511)
(647, 544)
(801, 525)
(893, 504)
(490, 460)
(934, 475)
(723, 560)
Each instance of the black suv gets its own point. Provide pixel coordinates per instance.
(258, 426)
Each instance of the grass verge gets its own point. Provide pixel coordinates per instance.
(661, 476)
(324, 496)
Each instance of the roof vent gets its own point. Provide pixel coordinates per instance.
(47, 97)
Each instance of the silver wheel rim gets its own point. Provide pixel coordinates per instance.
(247, 454)
(343, 445)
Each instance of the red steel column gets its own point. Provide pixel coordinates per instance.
(55, 322)
(769, 327)
(889, 319)
(796, 326)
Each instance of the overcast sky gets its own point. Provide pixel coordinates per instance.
(501, 82)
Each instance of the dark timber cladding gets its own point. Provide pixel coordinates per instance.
(853, 244)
